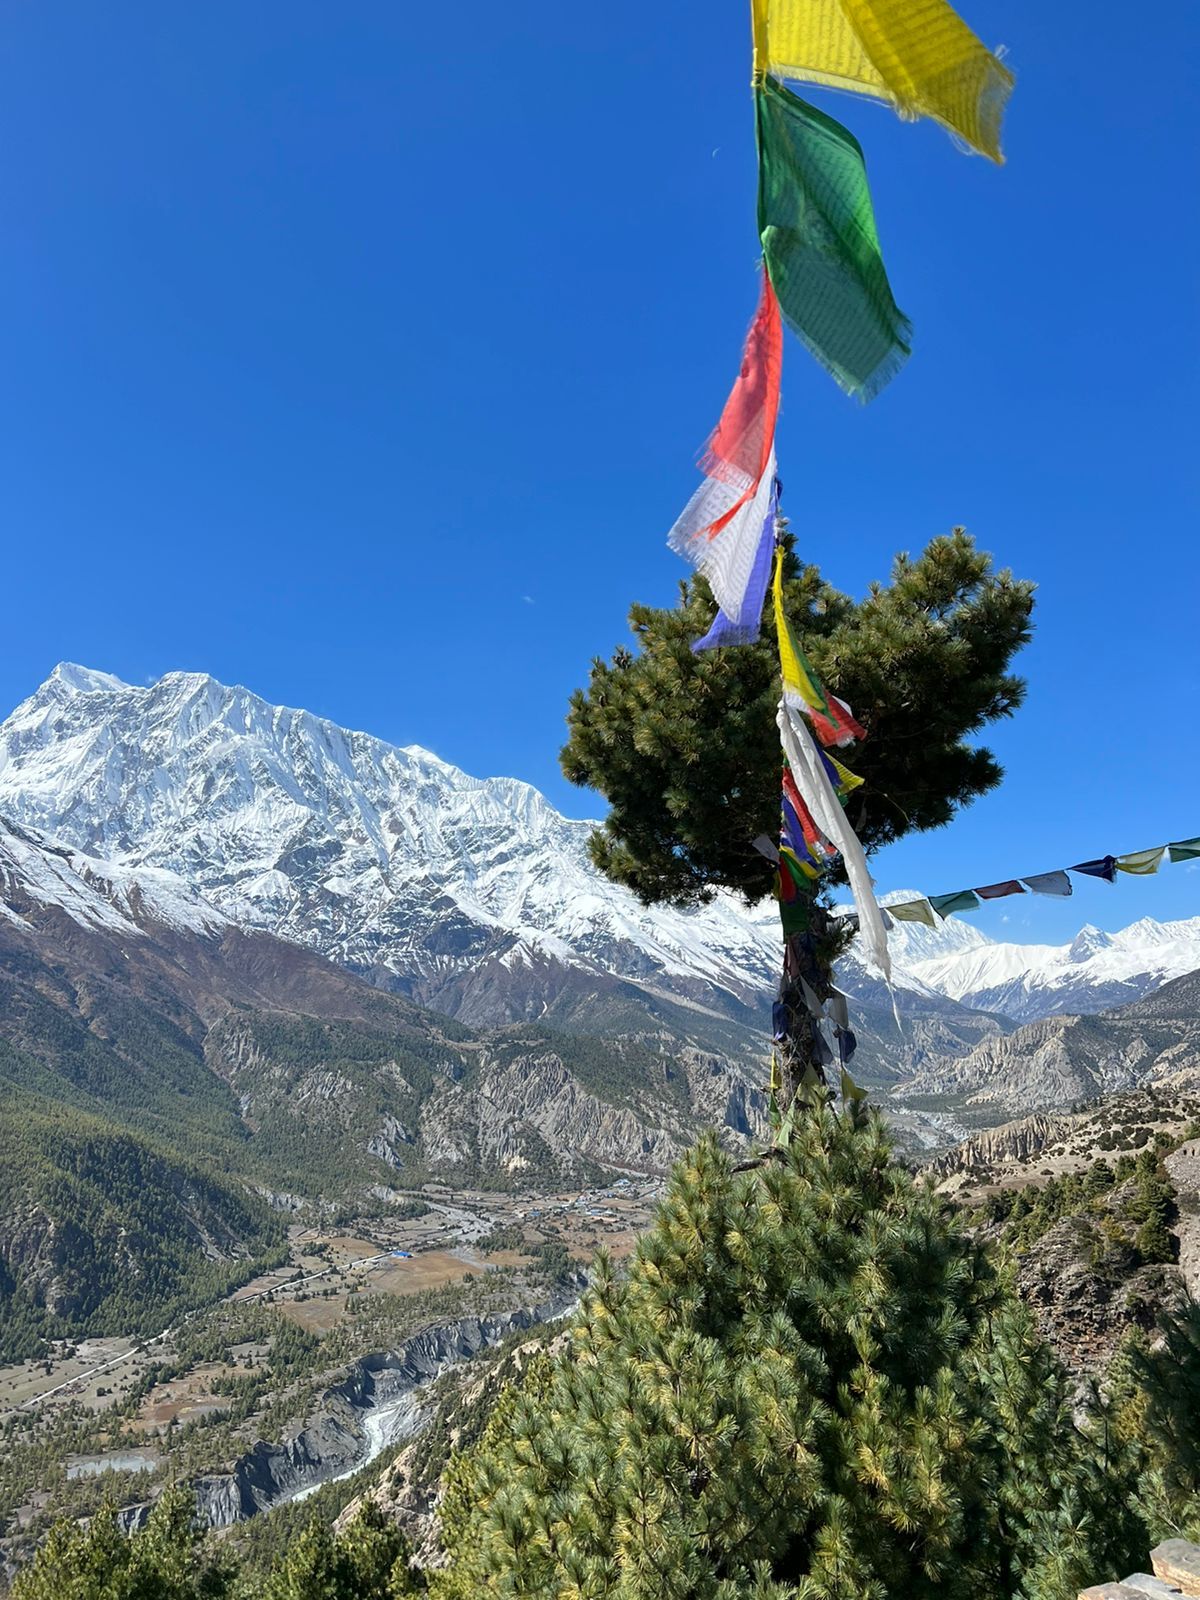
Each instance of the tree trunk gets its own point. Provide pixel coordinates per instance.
(796, 1031)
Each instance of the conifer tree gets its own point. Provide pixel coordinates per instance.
(96, 1561)
(685, 748)
(812, 1384)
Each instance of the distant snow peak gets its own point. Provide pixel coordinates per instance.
(1094, 972)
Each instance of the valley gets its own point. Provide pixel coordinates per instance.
(307, 1373)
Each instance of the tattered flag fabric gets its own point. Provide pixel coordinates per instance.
(797, 817)
(743, 626)
(946, 904)
(821, 244)
(728, 559)
(1056, 883)
(740, 446)
(830, 716)
(842, 779)
(918, 55)
(997, 891)
(821, 798)
(1184, 850)
(913, 911)
(1103, 867)
(1141, 862)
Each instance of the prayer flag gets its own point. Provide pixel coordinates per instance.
(798, 818)
(743, 626)
(820, 797)
(730, 558)
(821, 244)
(1103, 867)
(913, 911)
(946, 904)
(918, 55)
(1142, 862)
(1184, 850)
(830, 716)
(740, 446)
(997, 891)
(1056, 883)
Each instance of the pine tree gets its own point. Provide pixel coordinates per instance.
(685, 748)
(165, 1561)
(812, 1384)
(369, 1561)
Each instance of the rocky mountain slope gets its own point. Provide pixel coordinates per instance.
(1059, 1061)
(125, 997)
(1068, 1193)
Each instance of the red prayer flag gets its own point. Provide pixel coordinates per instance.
(818, 846)
(997, 891)
(740, 446)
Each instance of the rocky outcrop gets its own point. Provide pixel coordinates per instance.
(1183, 1169)
(1060, 1061)
(1012, 1141)
(1083, 1312)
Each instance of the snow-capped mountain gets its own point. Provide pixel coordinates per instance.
(472, 895)
(387, 859)
(1095, 972)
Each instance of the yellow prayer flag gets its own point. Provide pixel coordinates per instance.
(1141, 861)
(791, 666)
(913, 911)
(917, 54)
(849, 780)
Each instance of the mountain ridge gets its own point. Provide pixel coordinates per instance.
(474, 896)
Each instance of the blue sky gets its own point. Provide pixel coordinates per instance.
(362, 357)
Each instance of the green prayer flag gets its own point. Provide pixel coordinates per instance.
(1185, 850)
(945, 904)
(796, 916)
(821, 245)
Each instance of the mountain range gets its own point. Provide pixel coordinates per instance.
(474, 896)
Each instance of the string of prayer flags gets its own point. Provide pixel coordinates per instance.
(821, 244)
(742, 625)
(963, 900)
(913, 911)
(727, 528)
(918, 55)
(741, 443)
(1103, 867)
(1138, 863)
(999, 891)
(730, 557)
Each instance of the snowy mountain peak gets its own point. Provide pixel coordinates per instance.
(1088, 942)
(84, 680)
(386, 858)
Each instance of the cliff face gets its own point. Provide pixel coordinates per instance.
(337, 1436)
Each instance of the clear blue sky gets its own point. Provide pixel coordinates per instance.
(361, 355)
